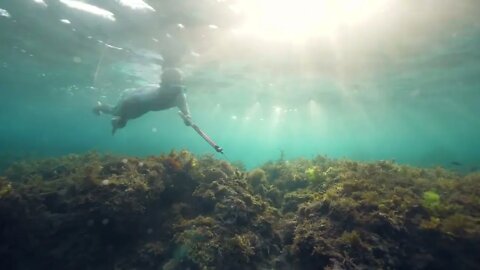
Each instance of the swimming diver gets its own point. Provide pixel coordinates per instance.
(133, 104)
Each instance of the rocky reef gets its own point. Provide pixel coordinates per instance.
(180, 211)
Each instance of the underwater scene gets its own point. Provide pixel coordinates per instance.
(239, 134)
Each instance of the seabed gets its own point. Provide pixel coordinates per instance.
(181, 211)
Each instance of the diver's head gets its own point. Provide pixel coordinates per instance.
(171, 76)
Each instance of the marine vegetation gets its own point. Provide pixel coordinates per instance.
(181, 211)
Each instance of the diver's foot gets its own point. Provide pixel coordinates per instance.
(101, 108)
(97, 110)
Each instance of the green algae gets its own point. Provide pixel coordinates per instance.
(180, 211)
(5, 187)
(431, 200)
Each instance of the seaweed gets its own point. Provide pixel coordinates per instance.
(181, 211)
(431, 200)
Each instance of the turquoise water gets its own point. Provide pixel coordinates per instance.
(404, 84)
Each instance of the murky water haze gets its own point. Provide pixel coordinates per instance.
(401, 84)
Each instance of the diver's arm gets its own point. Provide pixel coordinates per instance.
(183, 106)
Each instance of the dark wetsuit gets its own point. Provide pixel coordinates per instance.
(136, 103)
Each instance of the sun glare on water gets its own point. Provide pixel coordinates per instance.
(302, 19)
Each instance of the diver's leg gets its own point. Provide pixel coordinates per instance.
(103, 108)
(118, 122)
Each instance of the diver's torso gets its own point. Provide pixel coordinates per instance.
(138, 102)
(166, 97)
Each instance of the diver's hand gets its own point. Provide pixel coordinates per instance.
(187, 119)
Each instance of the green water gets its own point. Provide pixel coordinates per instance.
(403, 87)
